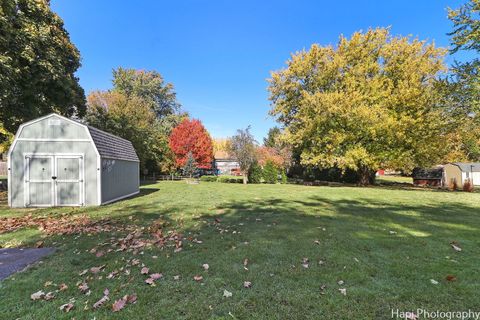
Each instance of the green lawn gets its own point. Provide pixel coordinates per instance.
(394, 179)
(385, 244)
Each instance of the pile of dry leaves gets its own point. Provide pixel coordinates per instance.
(64, 224)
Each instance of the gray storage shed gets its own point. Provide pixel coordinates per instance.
(56, 161)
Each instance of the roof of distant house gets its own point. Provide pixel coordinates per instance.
(223, 155)
(427, 173)
(468, 166)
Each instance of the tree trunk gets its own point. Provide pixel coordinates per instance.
(366, 176)
(245, 178)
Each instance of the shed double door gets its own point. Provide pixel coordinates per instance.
(54, 180)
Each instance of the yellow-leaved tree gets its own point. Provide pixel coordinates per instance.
(368, 102)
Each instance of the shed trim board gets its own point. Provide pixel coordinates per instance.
(122, 197)
(54, 140)
(54, 170)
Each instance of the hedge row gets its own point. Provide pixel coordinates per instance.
(225, 179)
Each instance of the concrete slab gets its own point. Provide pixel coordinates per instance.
(17, 259)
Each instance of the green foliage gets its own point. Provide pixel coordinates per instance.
(466, 26)
(284, 177)
(149, 85)
(37, 65)
(230, 179)
(190, 165)
(270, 172)
(130, 110)
(271, 140)
(461, 90)
(255, 173)
(242, 148)
(369, 102)
(208, 178)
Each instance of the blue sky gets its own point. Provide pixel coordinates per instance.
(218, 54)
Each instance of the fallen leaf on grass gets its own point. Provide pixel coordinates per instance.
(83, 287)
(102, 301)
(156, 276)
(197, 278)
(322, 288)
(63, 287)
(455, 246)
(135, 262)
(343, 291)
(451, 277)
(96, 270)
(341, 282)
(144, 270)
(152, 278)
(305, 263)
(316, 242)
(37, 295)
(245, 263)
(39, 244)
(247, 284)
(67, 307)
(176, 277)
(49, 296)
(226, 293)
(100, 253)
(131, 298)
(83, 272)
(119, 304)
(392, 232)
(205, 266)
(433, 281)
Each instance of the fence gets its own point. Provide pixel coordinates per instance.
(164, 177)
(3, 169)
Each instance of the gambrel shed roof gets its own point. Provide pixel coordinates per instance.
(111, 146)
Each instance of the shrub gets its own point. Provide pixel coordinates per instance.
(230, 179)
(284, 177)
(468, 185)
(255, 174)
(453, 184)
(270, 172)
(208, 178)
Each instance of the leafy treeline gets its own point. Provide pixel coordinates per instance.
(380, 101)
(141, 108)
(37, 66)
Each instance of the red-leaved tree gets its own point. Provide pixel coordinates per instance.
(191, 136)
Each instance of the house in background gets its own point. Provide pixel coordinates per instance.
(56, 161)
(224, 163)
(459, 172)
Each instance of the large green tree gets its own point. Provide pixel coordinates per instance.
(242, 147)
(37, 65)
(149, 85)
(130, 110)
(462, 87)
(367, 103)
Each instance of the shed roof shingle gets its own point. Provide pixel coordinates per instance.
(111, 146)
